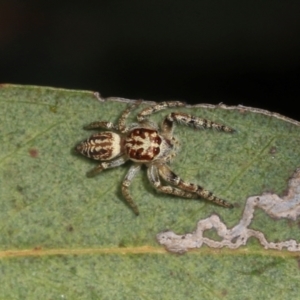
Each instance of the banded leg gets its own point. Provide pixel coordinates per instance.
(154, 179)
(193, 121)
(106, 165)
(157, 107)
(122, 120)
(169, 176)
(98, 125)
(125, 187)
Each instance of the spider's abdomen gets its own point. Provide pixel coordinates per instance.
(101, 146)
(142, 144)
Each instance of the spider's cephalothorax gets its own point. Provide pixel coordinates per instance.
(145, 144)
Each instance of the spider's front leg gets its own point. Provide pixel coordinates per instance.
(171, 177)
(192, 121)
(142, 116)
(122, 120)
(154, 179)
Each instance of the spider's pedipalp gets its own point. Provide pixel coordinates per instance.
(125, 186)
(171, 177)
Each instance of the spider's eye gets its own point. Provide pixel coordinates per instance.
(156, 150)
(157, 140)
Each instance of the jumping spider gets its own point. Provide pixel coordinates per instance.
(146, 144)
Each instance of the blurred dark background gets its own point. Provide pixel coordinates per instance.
(235, 52)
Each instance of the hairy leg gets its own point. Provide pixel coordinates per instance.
(99, 125)
(154, 179)
(125, 186)
(171, 177)
(194, 121)
(107, 165)
(122, 120)
(142, 116)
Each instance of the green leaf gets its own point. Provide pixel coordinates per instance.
(66, 236)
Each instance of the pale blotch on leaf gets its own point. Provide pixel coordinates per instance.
(276, 207)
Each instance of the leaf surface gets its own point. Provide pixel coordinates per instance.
(66, 236)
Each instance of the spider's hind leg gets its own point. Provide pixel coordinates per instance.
(106, 165)
(169, 176)
(101, 125)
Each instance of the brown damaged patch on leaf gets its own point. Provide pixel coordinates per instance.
(286, 207)
(33, 153)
